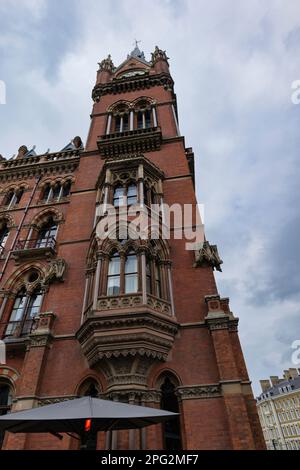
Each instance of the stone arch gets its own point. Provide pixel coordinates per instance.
(10, 375)
(85, 384)
(159, 377)
(118, 105)
(147, 100)
(19, 278)
(59, 179)
(42, 217)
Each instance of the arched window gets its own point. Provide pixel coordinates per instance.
(56, 192)
(25, 309)
(47, 234)
(131, 273)
(144, 116)
(113, 278)
(122, 120)
(5, 403)
(4, 232)
(13, 197)
(171, 429)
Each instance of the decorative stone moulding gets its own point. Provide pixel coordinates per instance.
(207, 255)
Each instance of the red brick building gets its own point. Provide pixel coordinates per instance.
(136, 320)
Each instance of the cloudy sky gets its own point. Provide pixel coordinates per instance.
(233, 64)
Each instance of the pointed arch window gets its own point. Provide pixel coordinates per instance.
(25, 309)
(157, 281)
(13, 197)
(47, 234)
(171, 429)
(56, 192)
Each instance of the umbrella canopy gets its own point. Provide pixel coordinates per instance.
(70, 417)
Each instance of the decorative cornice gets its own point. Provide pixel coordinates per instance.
(30, 167)
(135, 141)
(194, 392)
(122, 85)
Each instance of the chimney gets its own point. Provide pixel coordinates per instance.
(274, 380)
(265, 384)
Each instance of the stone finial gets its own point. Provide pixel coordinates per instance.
(22, 151)
(208, 255)
(159, 54)
(77, 142)
(107, 64)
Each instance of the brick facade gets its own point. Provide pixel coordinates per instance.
(190, 336)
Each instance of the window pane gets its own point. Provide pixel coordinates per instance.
(34, 305)
(125, 122)
(19, 194)
(131, 283)
(148, 118)
(56, 191)
(113, 285)
(114, 266)
(46, 192)
(66, 189)
(118, 124)
(119, 196)
(131, 264)
(140, 120)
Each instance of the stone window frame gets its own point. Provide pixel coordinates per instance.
(51, 185)
(123, 116)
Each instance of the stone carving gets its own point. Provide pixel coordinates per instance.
(107, 64)
(208, 255)
(55, 271)
(51, 400)
(158, 54)
(192, 392)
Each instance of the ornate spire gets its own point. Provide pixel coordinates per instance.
(137, 53)
(107, 64)
(158, 54)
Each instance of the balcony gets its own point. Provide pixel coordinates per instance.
(34, 248)
(127, 327)
(135, 141)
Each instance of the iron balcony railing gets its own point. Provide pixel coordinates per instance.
(17, 329)
(35, 243)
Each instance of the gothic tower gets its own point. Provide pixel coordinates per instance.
(130, 318)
